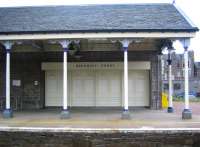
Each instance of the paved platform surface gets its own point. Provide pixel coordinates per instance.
(140, 118)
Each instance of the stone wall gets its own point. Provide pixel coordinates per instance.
(100, 139)
(156, 82)
(31, 87)
(29, 93)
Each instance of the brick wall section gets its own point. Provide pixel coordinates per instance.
(84, 139)
(27, 68)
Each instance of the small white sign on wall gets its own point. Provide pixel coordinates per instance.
(16, 83)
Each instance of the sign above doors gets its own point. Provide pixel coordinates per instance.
(95, 65)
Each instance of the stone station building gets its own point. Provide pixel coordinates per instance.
(178, 74)
(87, 56)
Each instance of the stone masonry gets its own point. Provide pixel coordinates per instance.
(100, 139)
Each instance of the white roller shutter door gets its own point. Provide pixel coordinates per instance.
(139, 88)
(108, 88)
(97, 88)
(83, 88)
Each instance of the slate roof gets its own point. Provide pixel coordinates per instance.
(94, 18)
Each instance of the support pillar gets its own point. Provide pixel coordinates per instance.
(8, 113)
(125, 114)
(187, 112)
(65, 112)
(170, 108)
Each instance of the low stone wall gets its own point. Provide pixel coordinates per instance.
(99, 138)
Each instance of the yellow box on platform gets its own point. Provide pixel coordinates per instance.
(164, 100)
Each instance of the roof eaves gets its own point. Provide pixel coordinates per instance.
(103, 31)
(82, 5)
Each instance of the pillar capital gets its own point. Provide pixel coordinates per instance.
(8, 45)
(64, 43)
(185, 42)
(125, 43)
(169, 45)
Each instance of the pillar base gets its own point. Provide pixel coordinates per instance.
(65, 114)
(7, 113)
(126, 115)
(187, 114)
(170, 109)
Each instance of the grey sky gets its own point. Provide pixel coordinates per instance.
(190, 7)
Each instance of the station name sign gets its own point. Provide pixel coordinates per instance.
(95, 65)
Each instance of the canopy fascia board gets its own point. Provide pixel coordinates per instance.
(117, 35)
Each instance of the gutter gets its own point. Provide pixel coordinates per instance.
(194, 29)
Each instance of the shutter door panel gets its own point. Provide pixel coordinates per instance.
(83, 88)
(139, 88)
(108, 88)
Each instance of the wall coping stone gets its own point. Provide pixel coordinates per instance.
(101, 130)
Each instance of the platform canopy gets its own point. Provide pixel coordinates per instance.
(94, 21)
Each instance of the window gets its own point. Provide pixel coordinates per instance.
(195, 71)
(178, 74)
(166, 86)
(177, 86)
(165, 78)
(178, 65)
(189, 73)
(188, 63)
